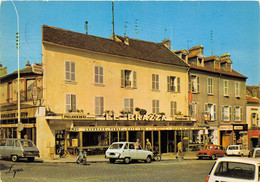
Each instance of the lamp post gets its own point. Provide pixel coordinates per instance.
(20, 125)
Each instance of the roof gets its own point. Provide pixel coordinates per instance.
(137, 49)
(210, 58)
(207, 68)
(196, 47)
(240, 159)
(252, 100)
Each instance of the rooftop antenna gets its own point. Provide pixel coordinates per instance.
(188, 43)
(136, 28)
(211, 38)
(86, 27)
(113, 22)
(125, 28)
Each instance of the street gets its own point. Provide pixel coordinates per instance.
(174, 170)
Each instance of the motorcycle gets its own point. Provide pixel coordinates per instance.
(82, 158)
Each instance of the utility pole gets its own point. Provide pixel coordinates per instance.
(113, 22)
(20, 125)
(211, 38)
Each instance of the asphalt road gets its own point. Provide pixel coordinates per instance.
(177, 171)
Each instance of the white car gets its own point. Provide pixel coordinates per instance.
(127, 151)
(256, 153)
(234, 169)
(237, 150)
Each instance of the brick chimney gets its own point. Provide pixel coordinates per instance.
(167, 43)
(225, 62)
(196, 50)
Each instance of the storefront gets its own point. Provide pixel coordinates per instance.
(9, 123)
(254, 138)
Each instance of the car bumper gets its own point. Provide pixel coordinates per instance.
(203, 155)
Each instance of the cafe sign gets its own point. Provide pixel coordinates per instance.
(13, 114)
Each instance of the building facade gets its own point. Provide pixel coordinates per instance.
(253, 113)
(218, 97)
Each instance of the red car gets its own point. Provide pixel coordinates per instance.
(211, 151)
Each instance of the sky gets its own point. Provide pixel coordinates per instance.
(222, 26)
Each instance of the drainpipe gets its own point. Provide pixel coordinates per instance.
(219, 108)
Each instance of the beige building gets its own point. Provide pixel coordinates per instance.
(97, 91)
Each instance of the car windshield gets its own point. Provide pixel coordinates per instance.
(116, 146)
(27, 144)
(207, 147)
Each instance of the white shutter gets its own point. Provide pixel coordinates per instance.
(122, 78)
(134, 79)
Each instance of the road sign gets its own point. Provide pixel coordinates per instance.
(190, 97)
(20, 126)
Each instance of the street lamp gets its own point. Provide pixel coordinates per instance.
(20, 125)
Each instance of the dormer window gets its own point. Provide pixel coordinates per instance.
(183, 56)
(200, 62)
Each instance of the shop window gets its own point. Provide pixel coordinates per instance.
(70, 103)
(155, 82)
(128, 78)
(99, 75)
(156, 106)
(70, 71)
(129, 105)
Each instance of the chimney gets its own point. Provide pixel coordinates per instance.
(86, 27)
(167, 43)
(3, 70)
(225, 56)
(196, 50)
(28, 64)
(226, 62)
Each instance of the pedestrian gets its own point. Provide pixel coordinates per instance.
(137, 144)
(25, 136)
(148, 145)
(180, 150)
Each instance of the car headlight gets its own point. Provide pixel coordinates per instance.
(119, 154)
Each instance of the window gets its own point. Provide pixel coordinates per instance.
(193, 110)
(29, 87)
(225, 87)
(236, 170)
(226, 113)
(172, 83)
(210, 112)
(155, 82)
(128, 78)
(99, 75)
(255, 120)
(156, 106)
(173, 108)
(237, 89)
(194, 84)
(238, 113)
(99, 105)
(10, 143)
(70, 103)
(129, 105)
(210, 86)
(70, 71)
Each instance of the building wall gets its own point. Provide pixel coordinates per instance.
(56, 88)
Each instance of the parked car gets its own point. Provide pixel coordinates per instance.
(256, 153)
(127, 151)
(237, 150)
(234, 169)
(211, 151)
(18, 148)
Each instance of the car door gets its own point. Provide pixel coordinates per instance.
(2, 147)
(132, 151)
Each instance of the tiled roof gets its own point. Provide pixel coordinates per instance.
(212, 70)
(210, 58)
(196, 47)
(137, 49)
(252, 100)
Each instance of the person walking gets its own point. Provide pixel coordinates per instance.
(137, 144)
(180, 150)
(148, 145)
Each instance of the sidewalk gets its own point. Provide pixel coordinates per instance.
(101, 158)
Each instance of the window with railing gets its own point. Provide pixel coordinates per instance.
(226, 113)
(173, 84)
(128, 79)
(238, 113)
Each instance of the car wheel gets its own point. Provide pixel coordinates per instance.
(158, 158)
(112, 160)
(242, 155)
(199, 157)
(14, 158)
(30, 159)
(213, 157)
(127, 160)
(148, 159)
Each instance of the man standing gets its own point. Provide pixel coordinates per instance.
(137, 144)
(180, 150)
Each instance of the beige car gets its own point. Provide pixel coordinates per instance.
(18, 148)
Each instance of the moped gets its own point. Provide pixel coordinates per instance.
(82, 157)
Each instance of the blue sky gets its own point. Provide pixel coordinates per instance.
(234, 26)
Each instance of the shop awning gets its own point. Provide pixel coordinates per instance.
(255, 133)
